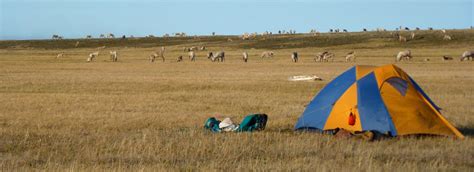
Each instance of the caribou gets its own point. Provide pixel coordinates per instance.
(413, 35)
(245, 56)
(447, 38)
(350, 56)
(467, 55)
(319, 56)
(266, 54)
(160, 54)
(328, 56)
(404, 55)
(179, 59)
(57, 37)
(324, 57)
(294, 56)
(110, 35)
(188, 49)
(92, 56)
(60, 55)
(180, 34)
(153, 56)
(192, 56)
(219, 56)
(245, 36)
(402, 38)
(113, 56)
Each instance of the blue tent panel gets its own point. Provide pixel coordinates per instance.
(418, 88)
(399, 84)
(372, 111)
(320, 107)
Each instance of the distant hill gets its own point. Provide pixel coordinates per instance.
(353, 39)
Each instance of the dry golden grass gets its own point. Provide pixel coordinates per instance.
(66, 114)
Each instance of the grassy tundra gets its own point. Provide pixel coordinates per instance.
(71, 115)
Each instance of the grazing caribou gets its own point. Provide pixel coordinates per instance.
(447, 38)
(245, 56)
(324, 57)
(179, 59)
(219, 56)
(188, 49)
(319, 56)
(92, 56)
(267, 54)
(404, 55)
(350, 56)
(467, 55)
(328, 56)
(60, 55)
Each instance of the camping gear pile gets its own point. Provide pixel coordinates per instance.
(251, 123)
(365, 101)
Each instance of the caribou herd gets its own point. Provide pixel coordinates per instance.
(325, 56)
(402, 35)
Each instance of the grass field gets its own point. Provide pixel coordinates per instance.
(66, 114)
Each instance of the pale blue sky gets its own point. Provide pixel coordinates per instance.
(38, 19)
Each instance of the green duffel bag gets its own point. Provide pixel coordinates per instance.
(254, 122)
(212, 124)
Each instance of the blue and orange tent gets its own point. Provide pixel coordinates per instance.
(369, 98)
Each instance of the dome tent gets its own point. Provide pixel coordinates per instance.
(369, 98)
